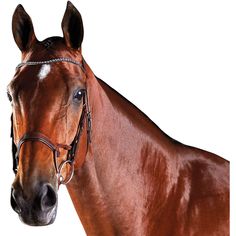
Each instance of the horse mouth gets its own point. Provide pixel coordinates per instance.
(38, 219)
(39, 209)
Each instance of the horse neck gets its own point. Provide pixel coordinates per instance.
(123, 139)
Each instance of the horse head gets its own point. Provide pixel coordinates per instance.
(49, 100)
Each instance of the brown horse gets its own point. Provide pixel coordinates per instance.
(127, 176)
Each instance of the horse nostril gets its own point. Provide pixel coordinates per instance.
(14, 203)
(49, 197)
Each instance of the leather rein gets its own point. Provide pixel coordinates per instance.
(55, 147)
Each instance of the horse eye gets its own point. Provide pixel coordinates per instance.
(78, 95)
(9, 96)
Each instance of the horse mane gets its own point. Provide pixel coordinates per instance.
(50, 42)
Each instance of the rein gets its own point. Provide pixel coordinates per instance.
(40, 137)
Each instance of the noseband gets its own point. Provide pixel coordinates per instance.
(55, 148)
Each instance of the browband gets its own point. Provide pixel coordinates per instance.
(53, 60)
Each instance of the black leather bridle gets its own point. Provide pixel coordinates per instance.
(40, 137)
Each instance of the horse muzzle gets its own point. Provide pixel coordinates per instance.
(39, 208)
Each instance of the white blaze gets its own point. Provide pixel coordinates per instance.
(44, 71)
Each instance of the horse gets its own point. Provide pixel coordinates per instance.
(125, 176)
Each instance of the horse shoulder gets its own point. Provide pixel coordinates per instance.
(206, 210)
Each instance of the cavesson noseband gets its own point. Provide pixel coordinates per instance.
(40, 137)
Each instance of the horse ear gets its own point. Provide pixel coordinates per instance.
(72, 27)
(22, 29)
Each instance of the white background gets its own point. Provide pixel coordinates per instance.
(175, 60)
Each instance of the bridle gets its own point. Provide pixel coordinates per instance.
(55, 148)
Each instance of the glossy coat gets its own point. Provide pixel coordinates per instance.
(133, 179)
